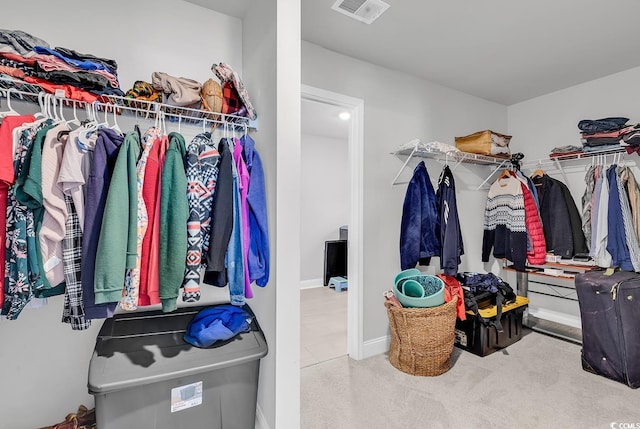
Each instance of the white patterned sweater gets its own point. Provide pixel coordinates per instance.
(505, 229)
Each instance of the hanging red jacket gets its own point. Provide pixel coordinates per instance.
(538, 247)
(453, 288)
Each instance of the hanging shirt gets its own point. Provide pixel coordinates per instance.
(243, 182)
(117, 245)
(106, 152)
(55, 213)
(202, 175)
(22, 274)
(602, 256)
(449, 223)
(7, 178)
(73, 310)
(75, 169)
(627, 217)
(149, 264)
(174, 213)
(234, 258)
(131, 290)
(222, 219)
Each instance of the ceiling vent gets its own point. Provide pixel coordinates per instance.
(365, 11)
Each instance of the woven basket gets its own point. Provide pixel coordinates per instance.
(422, 338)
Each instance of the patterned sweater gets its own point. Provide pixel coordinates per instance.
(504, 223)
(202, 174)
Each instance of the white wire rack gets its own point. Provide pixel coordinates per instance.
(12, 87)
(417, 149)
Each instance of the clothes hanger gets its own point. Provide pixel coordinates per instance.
(11, 111)
(115, 127)
(505, 174)
(537, 173)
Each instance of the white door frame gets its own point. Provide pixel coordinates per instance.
(355, 324)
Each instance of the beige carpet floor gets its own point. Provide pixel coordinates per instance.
(537, 382)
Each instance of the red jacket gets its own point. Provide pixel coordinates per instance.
(538, 248)
(452, 288)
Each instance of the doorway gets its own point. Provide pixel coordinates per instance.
(318, 101)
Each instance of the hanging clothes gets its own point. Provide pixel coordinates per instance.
(243, 183)
(55, 214)
(221, 218)
(419, 239)
(151, 192)
(117, 245)
(627, 217)
(554, 212)
(602, 256)
(258, 259)
(616, 240)
(7, 179)
(105, 156)
(202, 176)
(505, 229)
(587, 197)
(536, 247)
(129, 301)
(628, 180)
(23, 275)
(234, 258)
(448, 223)
(73, 310)
(174, 215)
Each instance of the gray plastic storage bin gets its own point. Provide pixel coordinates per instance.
(144, 375)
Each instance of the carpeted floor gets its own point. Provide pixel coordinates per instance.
(537, 382)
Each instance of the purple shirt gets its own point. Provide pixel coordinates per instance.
(104, 158)
(244, 188)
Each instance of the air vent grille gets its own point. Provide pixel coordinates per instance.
(351, 6)
(365, 11)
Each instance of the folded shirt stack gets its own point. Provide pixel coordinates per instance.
(81, 76)
(601, 134)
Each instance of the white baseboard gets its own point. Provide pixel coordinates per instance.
(261, 421)
(310, 284)
(554, 316)
(376, 346)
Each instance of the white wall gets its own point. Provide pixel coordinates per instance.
(259, 47)
(325, 200)
(46, 363)
(398, 108)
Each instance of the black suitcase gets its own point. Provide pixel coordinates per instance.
(610, 313)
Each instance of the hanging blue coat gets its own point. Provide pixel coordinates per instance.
(419, 239)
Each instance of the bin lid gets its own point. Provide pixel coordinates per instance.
(492, 311)
(142, 348)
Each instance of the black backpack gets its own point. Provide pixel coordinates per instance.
(487, 294)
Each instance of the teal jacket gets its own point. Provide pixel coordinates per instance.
(174, 213)
(117, 245)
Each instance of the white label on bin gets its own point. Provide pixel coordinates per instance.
(461, 337)
(186, 396)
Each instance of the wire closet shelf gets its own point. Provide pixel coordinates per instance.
(123, 106)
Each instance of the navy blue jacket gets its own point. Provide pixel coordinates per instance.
(617, 239)
(419, 240)
(449, 223)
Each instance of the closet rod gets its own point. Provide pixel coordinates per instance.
(147, 109)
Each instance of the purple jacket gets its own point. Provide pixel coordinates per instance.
(258, 259)
(104, 158)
